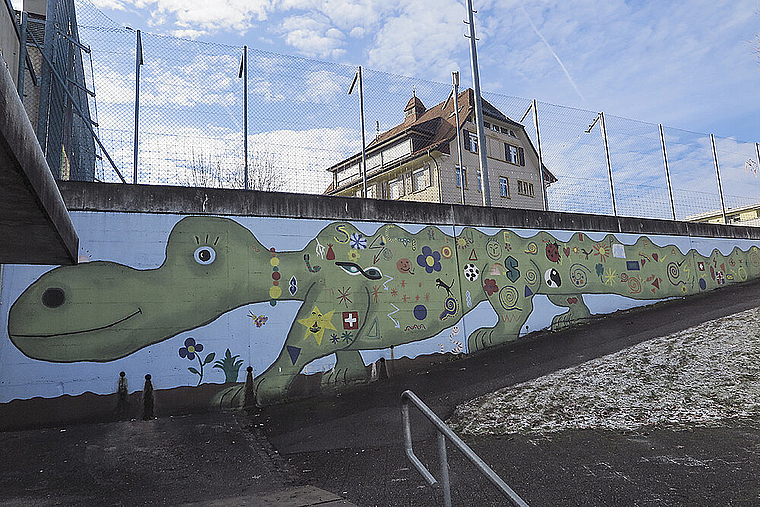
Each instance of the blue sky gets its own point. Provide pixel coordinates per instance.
(685, 63)
(692, 65)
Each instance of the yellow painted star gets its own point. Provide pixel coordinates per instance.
(316, 323)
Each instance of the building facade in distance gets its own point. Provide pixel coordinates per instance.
(417, 160)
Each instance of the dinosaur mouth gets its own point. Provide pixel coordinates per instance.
(51, 335)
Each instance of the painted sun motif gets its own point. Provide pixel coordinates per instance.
(316, 323)
(603, 251)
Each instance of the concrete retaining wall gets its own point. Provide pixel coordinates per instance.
(314, 293)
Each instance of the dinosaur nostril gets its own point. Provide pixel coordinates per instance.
(53, 297)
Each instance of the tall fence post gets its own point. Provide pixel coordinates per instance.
(138, 63)
(358, 79)
(609, 164)
(717, 174)
(540, 156)
(757, 150)
(455, 94)
(244, 72)
(667, 172)
(22, 56)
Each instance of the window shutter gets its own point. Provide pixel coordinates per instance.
(522, 156)
(466, 139)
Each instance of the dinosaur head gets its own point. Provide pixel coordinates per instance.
(100, 311)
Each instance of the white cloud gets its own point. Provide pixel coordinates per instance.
(312, 36)
(219, 15)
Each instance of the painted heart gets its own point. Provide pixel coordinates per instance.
(567, 252)
(643, 261)
(654, 256)
(572, 300)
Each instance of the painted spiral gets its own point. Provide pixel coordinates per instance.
(532, 248)
(674, 273)
(579, 275)
(449, 308)
(508, 297)
(634, 285)
(531, 277)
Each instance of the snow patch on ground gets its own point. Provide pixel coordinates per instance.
(699, 376)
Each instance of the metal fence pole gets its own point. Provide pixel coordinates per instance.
(22, 57)
(455, 91)
(138, 63)
(757, 150)
(609, 165)
(358, 79)
(540, 156)
(667, 172)
(244, 68)
(717, 174)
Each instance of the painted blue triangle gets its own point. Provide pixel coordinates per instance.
(294, 353)
(528, 292)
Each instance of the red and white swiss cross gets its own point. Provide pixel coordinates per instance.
(350, 320)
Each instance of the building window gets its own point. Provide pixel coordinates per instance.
(470, 141)
(396, 188)
(487, 125)
(515, 154)
(495, 127)
(421, 178)
(525, 188)
(480, 182)
(459, 173)
(372, 191)
(503, 186)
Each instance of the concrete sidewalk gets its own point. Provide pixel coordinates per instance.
(202, 459)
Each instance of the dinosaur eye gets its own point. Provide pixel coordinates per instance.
(204, 255)
(373, 273)
(53, 297)
(349, 267)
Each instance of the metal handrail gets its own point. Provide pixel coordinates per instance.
(445, 432)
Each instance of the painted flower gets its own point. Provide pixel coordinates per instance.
(489, 285)
(357, 241)
(429, 259)
(190, 349)
(354, 255)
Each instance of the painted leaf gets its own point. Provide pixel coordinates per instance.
(209, 358)
(193, 370)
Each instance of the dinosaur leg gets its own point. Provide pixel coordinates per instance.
(310, 337)
(508, 327)
(577, 311)
(349, 368)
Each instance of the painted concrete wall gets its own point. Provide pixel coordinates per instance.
(195, 299)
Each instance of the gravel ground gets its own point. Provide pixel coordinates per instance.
(701, 376)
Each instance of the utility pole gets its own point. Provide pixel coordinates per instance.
(485, 187)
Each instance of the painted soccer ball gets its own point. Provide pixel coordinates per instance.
(552, 279)
(471, 272)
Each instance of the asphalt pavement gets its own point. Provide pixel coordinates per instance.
(346, 448)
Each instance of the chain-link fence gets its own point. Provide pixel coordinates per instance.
(189, 128)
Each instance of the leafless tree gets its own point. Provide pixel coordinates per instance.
(209, 170)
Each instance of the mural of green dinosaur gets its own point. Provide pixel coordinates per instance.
(358, 292)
